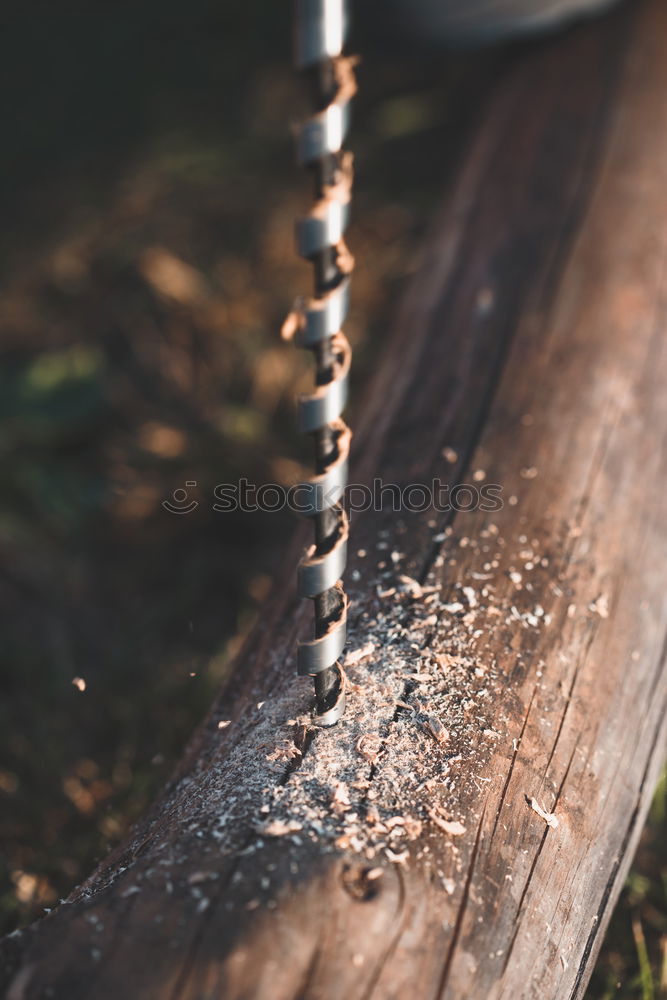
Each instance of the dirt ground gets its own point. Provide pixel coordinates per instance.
(149, 194)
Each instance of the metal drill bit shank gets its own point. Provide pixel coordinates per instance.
(315, 324)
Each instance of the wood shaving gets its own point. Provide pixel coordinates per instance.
(397, 859)
(435, 729)
(278, 828)
(452, 827)
(340, 801)
(286, 751)
(413, 587)
(600, 606)
(356, 655)
(549, 818)
(470, 596)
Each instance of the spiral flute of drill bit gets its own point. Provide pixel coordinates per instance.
(315, 324)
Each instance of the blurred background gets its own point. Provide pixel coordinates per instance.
(149, 193)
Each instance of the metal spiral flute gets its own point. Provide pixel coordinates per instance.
(315, 324)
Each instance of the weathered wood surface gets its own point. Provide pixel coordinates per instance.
(387, 858)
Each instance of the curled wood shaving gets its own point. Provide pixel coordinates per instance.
(549, 818)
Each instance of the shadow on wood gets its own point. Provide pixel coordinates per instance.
(465, 830)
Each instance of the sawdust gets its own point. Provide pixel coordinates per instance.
(421, 706)
(422, 720)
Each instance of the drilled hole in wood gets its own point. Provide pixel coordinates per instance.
(362, 882)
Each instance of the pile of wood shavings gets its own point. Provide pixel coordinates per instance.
(421, 721)
(422, 709)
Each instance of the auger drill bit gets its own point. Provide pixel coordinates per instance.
(315, 324)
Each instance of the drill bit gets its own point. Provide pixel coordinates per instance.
(315, 324)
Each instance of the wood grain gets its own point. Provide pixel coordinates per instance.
(501, 662)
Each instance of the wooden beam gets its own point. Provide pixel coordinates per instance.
(465, 830)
